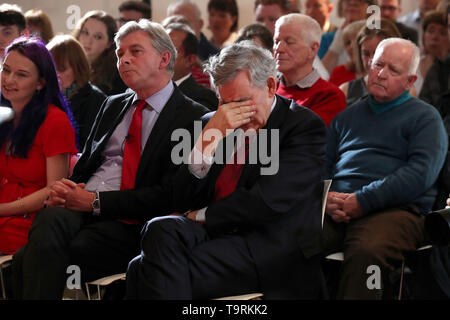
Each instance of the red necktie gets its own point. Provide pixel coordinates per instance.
(132, 149)
(228, 179)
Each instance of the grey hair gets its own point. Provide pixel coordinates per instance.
(415, 56)
(308, 28)
(159, 38)
(175, 5)
(224, 67)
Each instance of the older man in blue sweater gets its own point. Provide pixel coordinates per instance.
(384, 155)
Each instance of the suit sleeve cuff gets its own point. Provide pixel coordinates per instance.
(199, 164)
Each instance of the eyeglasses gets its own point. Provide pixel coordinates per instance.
(388, 8)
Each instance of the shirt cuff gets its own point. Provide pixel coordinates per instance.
(200, 217)
(199, 164)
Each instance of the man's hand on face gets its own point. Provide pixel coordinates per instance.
(229, 116)
(232, 116)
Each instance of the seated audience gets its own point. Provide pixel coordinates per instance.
(95, 31)
(436, 44)
(39, 24)
(366, 43)
(72, 67)
(252, 232)
(133, 11)
(415, 19)
(186, 43)
(297, 39)
(121, 180)
(437, 84)
(347, 72)
(375, 212)
(192, 13)
(223, 16)
(390, 10)
(258, 33)
(197, 73)
(332, 52)
(320, 10)
(267, 12)
(12, 25)
(35, 146)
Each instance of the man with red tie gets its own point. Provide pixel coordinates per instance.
(122, 179)
(244, 229)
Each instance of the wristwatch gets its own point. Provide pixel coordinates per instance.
(96, 205)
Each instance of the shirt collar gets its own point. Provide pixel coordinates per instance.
(181, 80)
(158, 100)
(308, 81)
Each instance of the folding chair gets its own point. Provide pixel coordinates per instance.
(5, 261)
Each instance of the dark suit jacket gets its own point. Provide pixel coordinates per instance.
(151, 196)
(279, 216)
(85, 104)
(407, 32)
(199, 93)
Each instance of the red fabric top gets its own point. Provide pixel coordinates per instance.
(341, 75)
(323, 98)
(23, 176)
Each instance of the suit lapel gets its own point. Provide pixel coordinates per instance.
(110, 124)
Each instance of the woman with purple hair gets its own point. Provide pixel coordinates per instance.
(34, 146)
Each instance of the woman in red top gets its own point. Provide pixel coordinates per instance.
(35, 145)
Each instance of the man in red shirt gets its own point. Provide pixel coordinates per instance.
(296, 42)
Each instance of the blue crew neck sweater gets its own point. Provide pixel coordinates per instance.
(389, 158)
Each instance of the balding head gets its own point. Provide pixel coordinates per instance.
(190, 11)
(394, 69)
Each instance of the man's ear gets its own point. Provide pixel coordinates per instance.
(271, 86)
(165, 59)
(25, 33)
(410, 83)
(315, 48)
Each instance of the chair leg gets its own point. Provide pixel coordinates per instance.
(2, 280)
(401, 281)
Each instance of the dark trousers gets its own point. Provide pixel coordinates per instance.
(59, 238)
(179, 261)
(380, 240)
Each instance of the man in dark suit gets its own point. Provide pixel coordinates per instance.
(186, 43)
(93, 220)
(247, 227)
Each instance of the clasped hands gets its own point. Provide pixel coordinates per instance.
(343, 207)
(71, 195)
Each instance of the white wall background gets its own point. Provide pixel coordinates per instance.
(63, 12)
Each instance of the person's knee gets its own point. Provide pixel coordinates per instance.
(366, 251)
(48, 216)
(159, 229)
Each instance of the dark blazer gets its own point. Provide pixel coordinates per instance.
(205, 48)
(85, 104)
(407, 33)
(199, 93)
(151, 197)
(279, 216)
